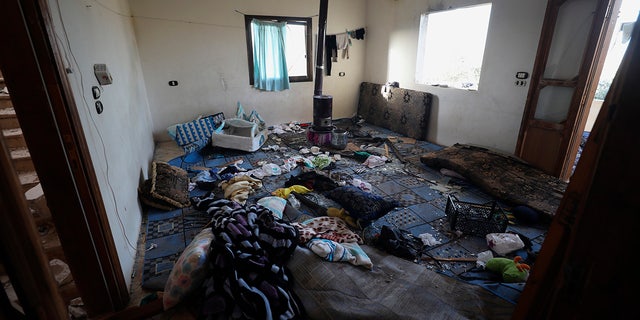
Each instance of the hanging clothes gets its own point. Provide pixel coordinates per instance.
(343, 42)
(330, 47)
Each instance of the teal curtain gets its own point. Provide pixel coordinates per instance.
(269, 59)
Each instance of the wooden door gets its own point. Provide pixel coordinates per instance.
(580, 270)
(51, 126)
(568, 62)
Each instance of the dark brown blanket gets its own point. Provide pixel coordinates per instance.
(502, 176)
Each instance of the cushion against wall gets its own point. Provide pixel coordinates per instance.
(145, 196)
(402, 110)
(169, 184)
(190, 132)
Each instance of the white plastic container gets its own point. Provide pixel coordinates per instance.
(239, 134)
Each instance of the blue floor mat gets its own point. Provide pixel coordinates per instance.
(167, 234)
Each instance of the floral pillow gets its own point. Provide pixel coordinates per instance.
(189, 270)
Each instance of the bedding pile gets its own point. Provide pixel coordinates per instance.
(247, 276)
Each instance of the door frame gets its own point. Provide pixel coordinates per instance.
(576, 274)
(44, 104)
(558, 159)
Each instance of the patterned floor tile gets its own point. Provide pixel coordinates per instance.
(409, 181)
(439, 203)
(164, 246)
(474, 244)
(390, 187)
(156, 271)
(165, 227)
(427, 193)
(407, 198)
(427, 211)
(403, 219)
(374, 178)
(452, 250)
(154, 214)
(421, 229)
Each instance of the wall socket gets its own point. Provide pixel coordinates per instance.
(521, 83)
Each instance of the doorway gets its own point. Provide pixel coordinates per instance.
(617, 47)
(627, 17)
(571, 52)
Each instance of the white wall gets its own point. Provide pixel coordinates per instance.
(491, 116)
(202, 45)
(119, 139)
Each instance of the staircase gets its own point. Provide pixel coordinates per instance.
(12, 134)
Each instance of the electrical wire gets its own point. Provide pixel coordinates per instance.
(104, 151)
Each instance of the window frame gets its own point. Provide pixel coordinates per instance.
(425, 31)
(289, 20)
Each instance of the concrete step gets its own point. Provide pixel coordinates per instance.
(68, 292)
(14, 138)
(5, 99)
(8, 119)
(28, 179)
(39, 209)
(51, 245)
(22, 160)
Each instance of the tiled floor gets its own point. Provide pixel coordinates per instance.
(422, 191)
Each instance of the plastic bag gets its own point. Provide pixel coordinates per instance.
(503, 243)
(254, 117)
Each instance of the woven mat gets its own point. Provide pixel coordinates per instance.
(168, 233)
(394, 289)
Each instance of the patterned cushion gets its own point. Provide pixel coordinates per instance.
(401, 110)
(199, 129)
(169, 184)
(360, 204)
(189, 270)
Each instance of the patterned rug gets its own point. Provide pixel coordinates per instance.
(168, 233)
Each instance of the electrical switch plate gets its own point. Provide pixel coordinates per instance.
(173, 83)
(522, 75)
(102, 74)
(96, 92)
(521, 83)
(99, 107)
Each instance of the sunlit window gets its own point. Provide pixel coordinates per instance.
(451, 47)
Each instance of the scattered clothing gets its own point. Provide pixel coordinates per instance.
(332, 251)
(285, 192)
(343, 42)
(332, 228)
(240, 187)
(330, 46)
